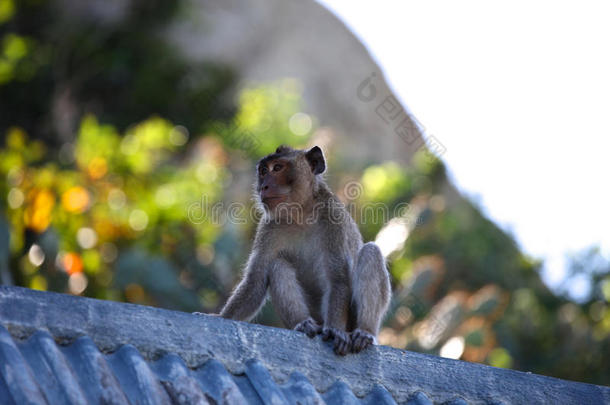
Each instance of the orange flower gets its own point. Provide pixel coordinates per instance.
(37, 215)
(75, 200)
(97, 168)
(72, 263)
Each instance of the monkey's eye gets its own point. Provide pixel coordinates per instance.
(277, 167)
(263, 170)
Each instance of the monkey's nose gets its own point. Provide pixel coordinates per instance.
(265, 187)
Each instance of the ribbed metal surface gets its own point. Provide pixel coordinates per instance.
(40, 371)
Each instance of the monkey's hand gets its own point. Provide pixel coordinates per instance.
(308, 327)
(342, 342)
(362, 339)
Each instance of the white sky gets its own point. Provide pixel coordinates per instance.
(519, 94)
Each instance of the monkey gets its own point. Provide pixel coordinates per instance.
(308, 254)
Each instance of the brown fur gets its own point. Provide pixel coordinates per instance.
(309, 254)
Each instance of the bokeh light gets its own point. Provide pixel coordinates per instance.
(75, 199)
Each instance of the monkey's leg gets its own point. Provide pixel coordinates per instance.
(371, 295)
(289, 299)
(335, 307)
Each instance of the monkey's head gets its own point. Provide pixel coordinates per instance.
(287, 179)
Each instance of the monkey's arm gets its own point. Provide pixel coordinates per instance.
(249, 294)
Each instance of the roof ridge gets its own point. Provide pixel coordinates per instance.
(113, 329)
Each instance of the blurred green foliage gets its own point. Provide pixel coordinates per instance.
(60, 62)
(265, 119)
(120, 192)
(117, 152)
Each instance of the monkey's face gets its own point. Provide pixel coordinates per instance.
(275, 182)
(286, 179)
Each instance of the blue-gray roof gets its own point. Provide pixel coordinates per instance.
(57, 349)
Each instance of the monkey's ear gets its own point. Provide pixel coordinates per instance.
(283, 149)
(315, 157)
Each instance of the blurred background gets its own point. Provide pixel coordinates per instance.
(130, 131)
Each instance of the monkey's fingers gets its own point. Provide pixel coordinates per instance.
(309, 327)
(361, 340)
(327, 334)
(342, 347)
(360, 343)
(343, 343)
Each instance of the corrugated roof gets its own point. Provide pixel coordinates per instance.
(59, 349)
(40, 371)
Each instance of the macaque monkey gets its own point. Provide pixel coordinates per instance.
(309, 255)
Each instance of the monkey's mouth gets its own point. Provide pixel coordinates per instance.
(273, 199)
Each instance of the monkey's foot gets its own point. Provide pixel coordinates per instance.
(362, 339)
(342, 342)
(308, 327)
